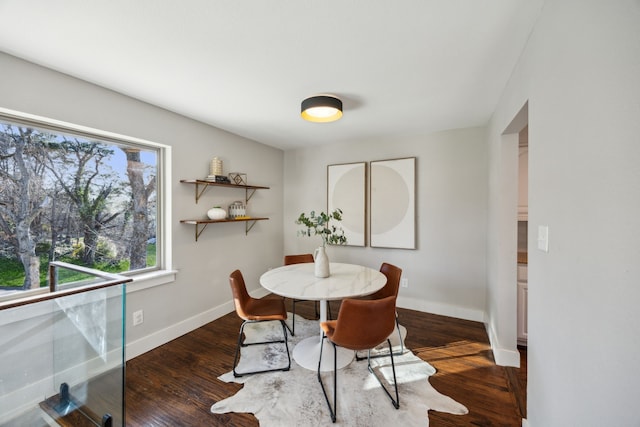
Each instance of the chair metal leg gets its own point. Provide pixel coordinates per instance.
(292, 329)
(293, 320)
(241, 344)
(332, 410)
(375, 356)
(396, 402)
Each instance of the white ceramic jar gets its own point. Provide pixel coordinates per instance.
(216, 213)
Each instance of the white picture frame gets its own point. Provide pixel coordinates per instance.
(392, 203)
(346, 190)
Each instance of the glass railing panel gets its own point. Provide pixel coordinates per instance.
(26, 374)
(62, 359)
(88, 355)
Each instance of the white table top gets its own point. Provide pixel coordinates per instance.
(346, 281)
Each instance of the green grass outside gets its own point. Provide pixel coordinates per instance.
(12, 272)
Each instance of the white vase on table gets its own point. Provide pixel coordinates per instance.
(321, 262)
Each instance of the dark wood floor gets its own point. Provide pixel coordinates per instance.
(176, 384)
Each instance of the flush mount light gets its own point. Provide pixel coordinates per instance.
(321, 109)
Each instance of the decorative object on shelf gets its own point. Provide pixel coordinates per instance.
(238, 178)
(216, 167)
(218, 178)
(321, 109)
(237, 210)
(201, 185)
(217, 213)
(330, 233)
(215, 172)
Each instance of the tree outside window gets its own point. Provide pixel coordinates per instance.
(73, 198)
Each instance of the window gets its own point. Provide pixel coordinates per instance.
(77, 195)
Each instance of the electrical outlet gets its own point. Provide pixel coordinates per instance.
(138, 317)
(404, 283)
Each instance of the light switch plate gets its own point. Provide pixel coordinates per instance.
(543, 238)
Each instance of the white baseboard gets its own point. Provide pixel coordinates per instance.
(158, 338)
(441, 309)
(525, 423)
(163, 336)
(502, 356)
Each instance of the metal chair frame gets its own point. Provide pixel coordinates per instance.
(333, 410)
(389, 270)
(292, 329)
(399, 353)
(241, 344)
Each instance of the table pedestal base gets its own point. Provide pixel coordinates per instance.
(307, 353)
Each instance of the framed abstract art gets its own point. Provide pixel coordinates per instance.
(346, 190)
(393, 210)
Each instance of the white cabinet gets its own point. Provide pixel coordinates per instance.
(523, 184)
(523, 289)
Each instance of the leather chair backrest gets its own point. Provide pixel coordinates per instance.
(363, 324)
(392, 286)
(297, 259)
(240, 295)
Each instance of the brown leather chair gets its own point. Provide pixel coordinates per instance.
(253, 310)
(361, 325)
(391, 288)
(298, 259)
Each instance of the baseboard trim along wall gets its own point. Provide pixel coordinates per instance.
(163, 336)
(503, 357)
(441, 309)
(149, 342)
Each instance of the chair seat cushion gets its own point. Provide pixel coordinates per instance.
(265, 309)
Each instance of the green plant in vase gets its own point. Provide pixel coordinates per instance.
(320, 224)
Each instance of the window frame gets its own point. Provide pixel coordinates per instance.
(144, 278)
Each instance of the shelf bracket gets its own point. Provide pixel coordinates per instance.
(247, 195)
(248, 227)
(199, 192)
(198, 233)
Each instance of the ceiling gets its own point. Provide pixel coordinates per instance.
(400, 67)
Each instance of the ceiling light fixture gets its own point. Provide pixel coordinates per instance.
(321, 109)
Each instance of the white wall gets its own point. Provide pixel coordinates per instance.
(447, 270)
(201, 291)
(579, 74)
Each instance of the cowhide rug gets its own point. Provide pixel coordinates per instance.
(294, 397)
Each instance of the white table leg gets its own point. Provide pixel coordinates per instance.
(307, 352)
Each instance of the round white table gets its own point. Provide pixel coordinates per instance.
(298, 281)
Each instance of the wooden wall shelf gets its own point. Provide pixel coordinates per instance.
(202, 185)
(201, 224)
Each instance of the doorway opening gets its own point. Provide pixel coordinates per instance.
(517, 148)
